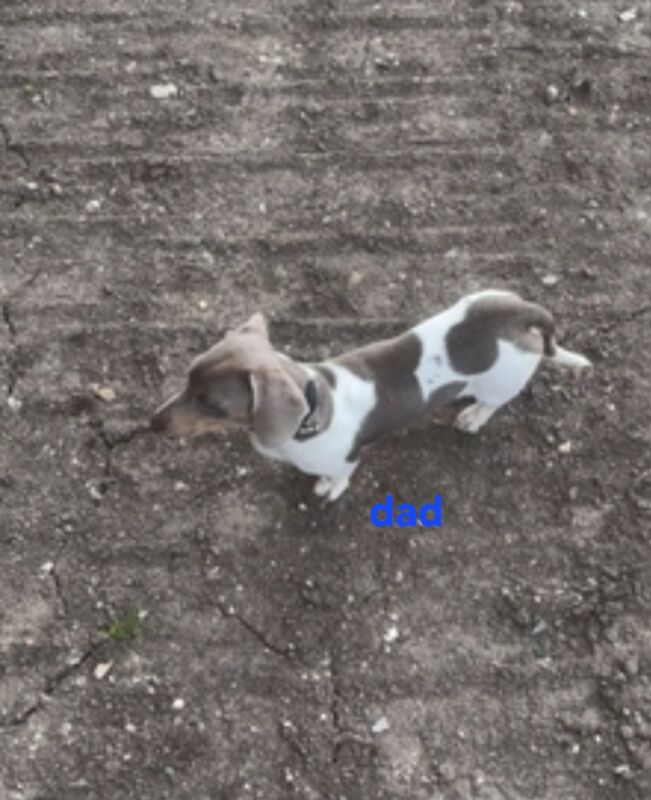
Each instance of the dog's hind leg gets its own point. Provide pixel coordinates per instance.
(471, 419)
(568, 358)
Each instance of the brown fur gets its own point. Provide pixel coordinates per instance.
(472, 343)
(240, 380)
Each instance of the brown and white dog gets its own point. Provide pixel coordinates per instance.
(485, 348)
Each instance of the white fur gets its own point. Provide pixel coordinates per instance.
(326, 454)
(353, 398)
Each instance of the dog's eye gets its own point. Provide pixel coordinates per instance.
(208, 405)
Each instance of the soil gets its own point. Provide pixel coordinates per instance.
(187, 621)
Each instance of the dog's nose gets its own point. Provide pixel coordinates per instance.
(158, 423)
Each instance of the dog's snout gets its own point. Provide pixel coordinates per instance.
(158, 422)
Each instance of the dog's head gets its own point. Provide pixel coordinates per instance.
(240, 381)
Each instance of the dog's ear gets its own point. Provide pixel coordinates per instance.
(256, 324)
(278, 406)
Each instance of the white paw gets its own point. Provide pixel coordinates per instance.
(323, 486)
(338, 488)
(581, 369)
(468, 420)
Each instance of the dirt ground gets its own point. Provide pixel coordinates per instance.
(187, 621)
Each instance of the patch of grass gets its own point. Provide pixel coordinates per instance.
(127, 627)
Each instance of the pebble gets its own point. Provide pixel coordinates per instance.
(93, 205)
(630, 15)
(551, 94)
(380, 725)
(94, 491)
(391, 634)
(550, 279)
(623, 770)
(178, 704)
(565, 448)
(163, 91)
(102, 669)
(105, 393)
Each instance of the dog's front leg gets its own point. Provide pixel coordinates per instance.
(332, 487)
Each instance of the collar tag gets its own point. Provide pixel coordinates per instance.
(309, 426)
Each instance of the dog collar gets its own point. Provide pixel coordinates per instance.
(309, 425)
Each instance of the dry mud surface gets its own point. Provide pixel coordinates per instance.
(348, 168)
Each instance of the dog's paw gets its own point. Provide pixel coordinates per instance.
(467, 420)
(331, 488)
(471, 419)
(323, 486)
(337, 488)
(581, 370)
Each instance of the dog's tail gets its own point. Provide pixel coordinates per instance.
(539, 318)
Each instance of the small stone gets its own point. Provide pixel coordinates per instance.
(356, 277)
(178, 704)
(105, 393)
(550, 279)
(93, 205)
(14, 403)
(391, 634)
(565, 448)
(551, 94)
(179, 486)
(102, 669)
(203, 304)
(630, 15)
(623, 770)
(163, 91)
(47, 568)
(94, 491)
(380, 725)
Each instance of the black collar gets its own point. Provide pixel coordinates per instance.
(309, 425)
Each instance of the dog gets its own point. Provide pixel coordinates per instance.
(319, 416)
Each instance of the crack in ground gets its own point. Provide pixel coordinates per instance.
(51, 687)
(12, 370)
(12, 146)
(632, 316)
(58, 589)
(8, 320)
(288, 652)
(341, 734)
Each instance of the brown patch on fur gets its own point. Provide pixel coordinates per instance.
(390, 365)
(445, 394)
(472, 343)
(327, 374)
